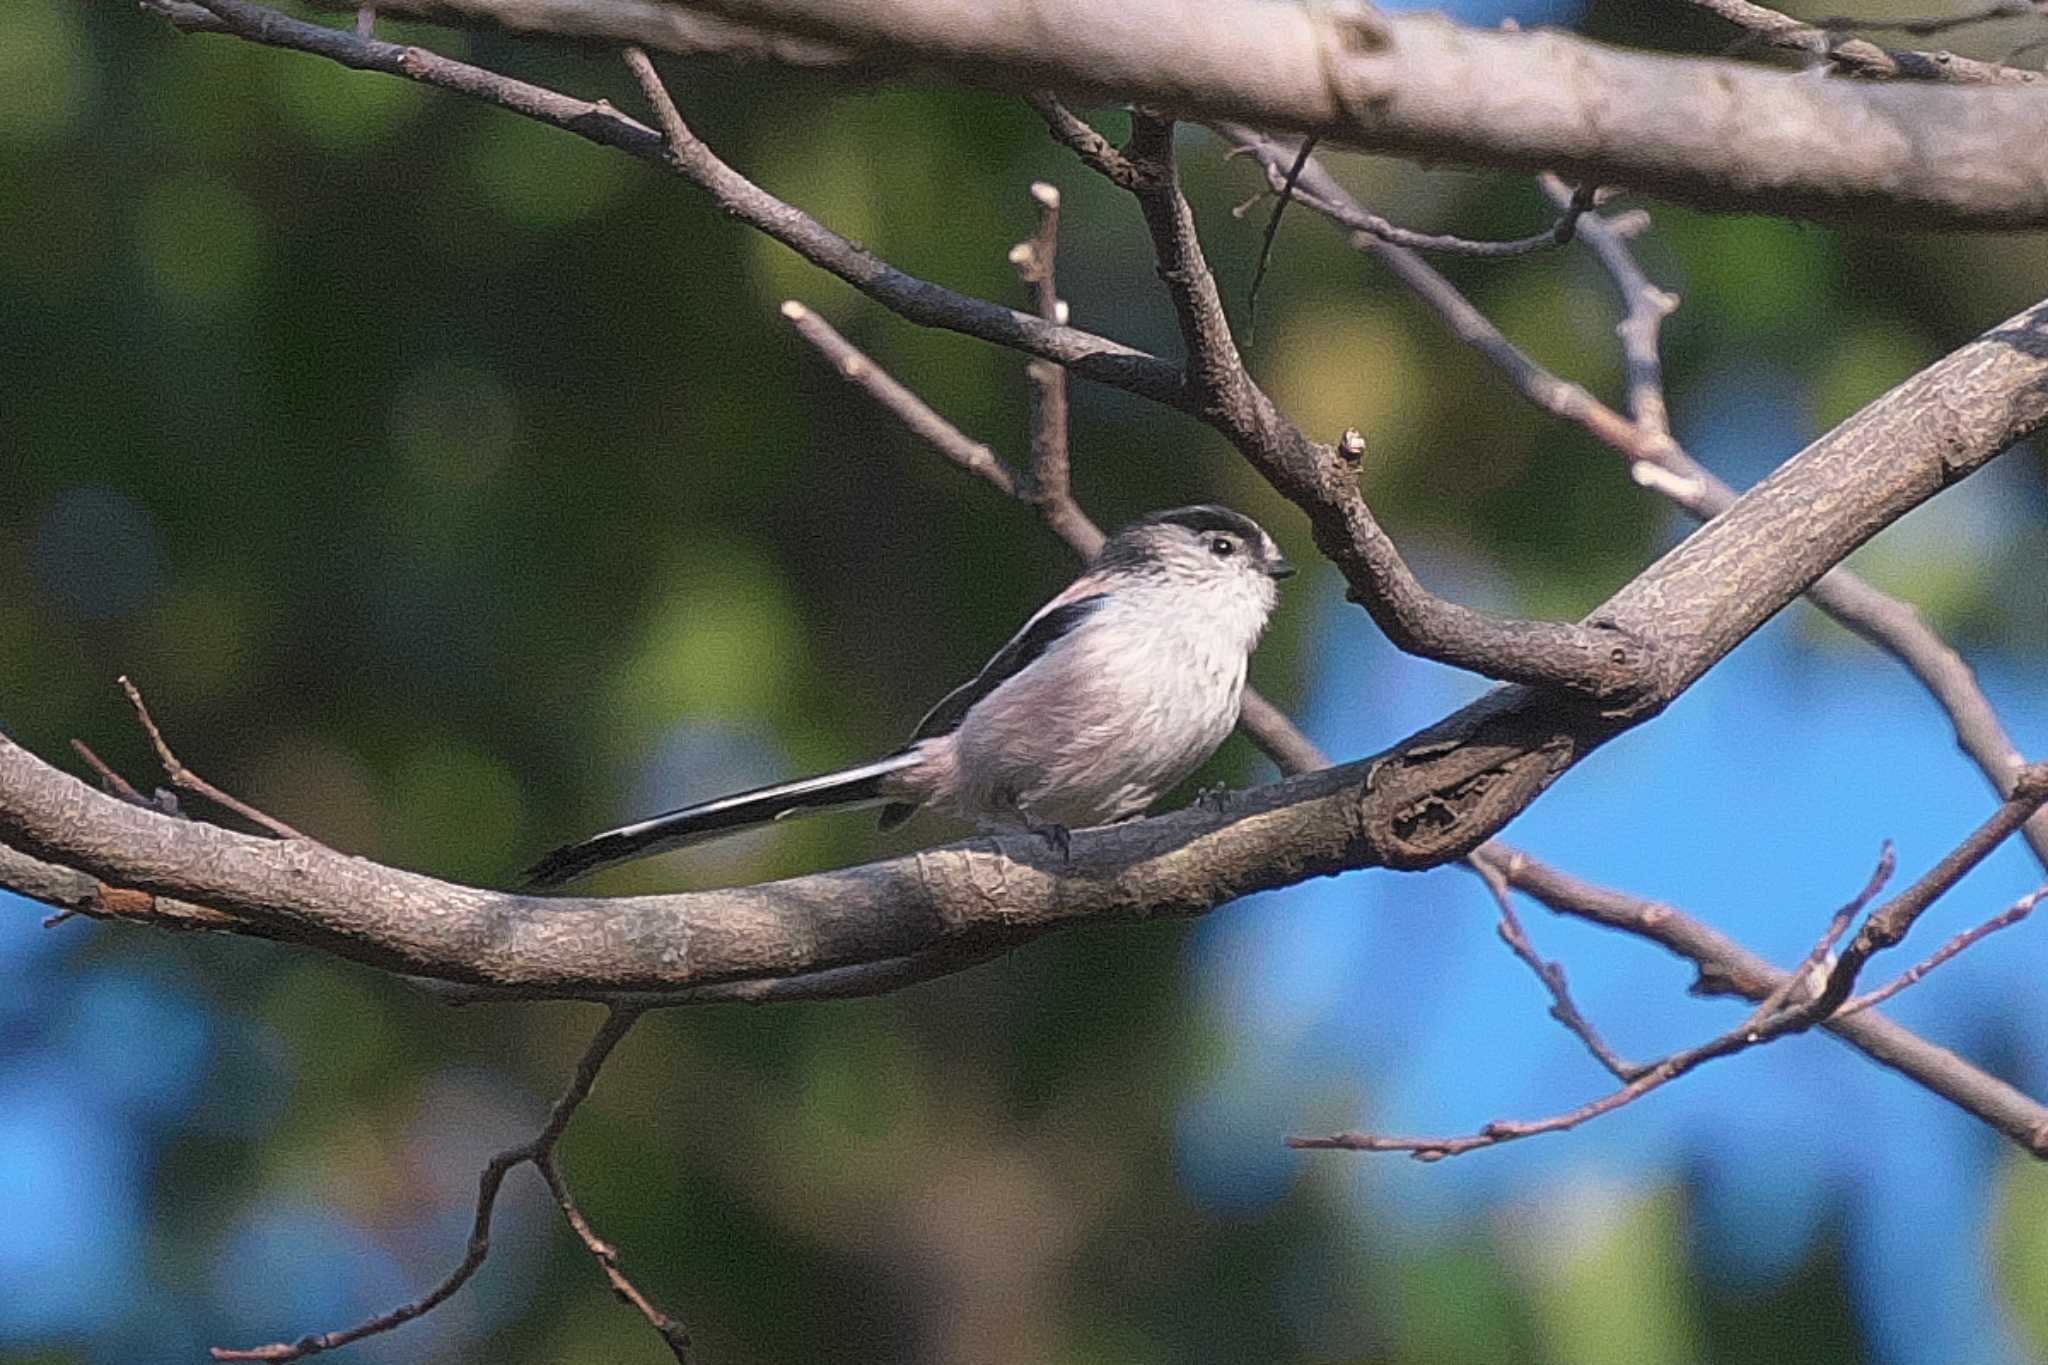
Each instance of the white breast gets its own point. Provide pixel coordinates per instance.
(1117, 713)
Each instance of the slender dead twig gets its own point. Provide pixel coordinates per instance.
(540, 1150)
(1889, 923)
(183, 776)
(1559, 233)
(1826, 42)
(2004, 919)
(854, 367)
(1280, 200)
(1781, 1011)
(1051, 485)
(1551, 973)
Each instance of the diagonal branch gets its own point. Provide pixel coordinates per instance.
(183, 776)
(1790, 1005)
(1726, 967)
(540, 1150)
(1599, 662)
(1658, 462)
(1562, 1007)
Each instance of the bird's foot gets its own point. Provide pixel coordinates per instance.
(1058, 838)
(1218, 798)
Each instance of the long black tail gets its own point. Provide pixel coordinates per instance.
(727, 814)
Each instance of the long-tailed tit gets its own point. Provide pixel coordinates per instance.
(1116, 690)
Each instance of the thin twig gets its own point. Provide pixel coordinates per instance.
(1562, 1007)
(1773, 1018)
(110, 780)
(1890, 922)
(1280, 200)
(2004, 919)
(1051, 484)
(1559, 233)
(540, 1151)
(1803, 980)
(183, 776)
(855, 368)
(1826, 42)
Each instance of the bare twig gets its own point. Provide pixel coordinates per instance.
(1826, 42)
(110, 780)
(1051, 485)
(1562, 1007)
(1890, 922)
(1559, 233)
(1658, 463)
(183, 776)
(854, 367)
(1802, 980)
(2004, 919)
(1280, 198)
(1780, 1011)
(540, 1150)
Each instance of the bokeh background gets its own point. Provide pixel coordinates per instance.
(453, 489)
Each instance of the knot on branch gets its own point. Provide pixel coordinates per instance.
(1624, 679)
(1433, 803)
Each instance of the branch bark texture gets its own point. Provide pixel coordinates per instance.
(1433, 798)
(1717, 134)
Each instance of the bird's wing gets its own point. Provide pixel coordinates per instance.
(1054, 620)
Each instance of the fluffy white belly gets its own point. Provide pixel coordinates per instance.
(1095, 733)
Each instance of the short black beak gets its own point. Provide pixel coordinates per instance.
(1279, 568)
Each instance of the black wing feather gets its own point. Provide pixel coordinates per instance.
(1025, 648)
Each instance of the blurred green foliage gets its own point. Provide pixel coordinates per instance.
(469, 466)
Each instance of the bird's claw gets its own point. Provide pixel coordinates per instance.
(1058, 838)
(1218, 798)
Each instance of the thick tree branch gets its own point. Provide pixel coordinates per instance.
(1433, 798)
(1712, 133)
(1656, 460)
(1598, 661)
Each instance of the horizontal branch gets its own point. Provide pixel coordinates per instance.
(1431, 799)
(1713, 133)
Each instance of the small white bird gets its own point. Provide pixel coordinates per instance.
(1111, 694)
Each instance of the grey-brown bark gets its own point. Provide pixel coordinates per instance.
(1718, 134)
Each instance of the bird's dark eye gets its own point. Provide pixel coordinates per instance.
(1222, 546)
